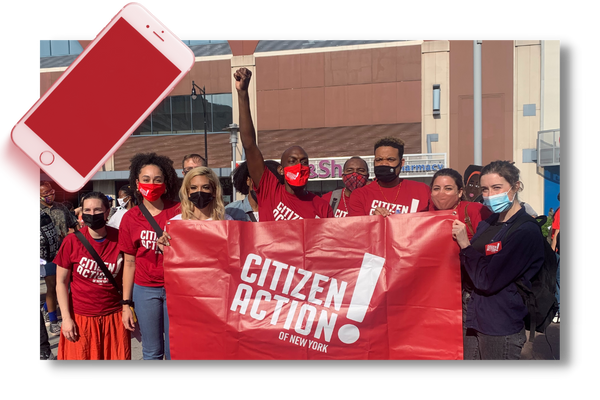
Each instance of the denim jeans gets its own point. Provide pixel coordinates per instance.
(151, 311)
(478, 346)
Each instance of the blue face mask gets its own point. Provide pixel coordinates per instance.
(498, 203)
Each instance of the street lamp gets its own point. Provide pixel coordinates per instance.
(233, 131)
(194, 96)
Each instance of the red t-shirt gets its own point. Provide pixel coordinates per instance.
(92, 293)
(342, 208)
(556, 221)
(275, 203)
(411, 197)
(477, 213)
(136, 237)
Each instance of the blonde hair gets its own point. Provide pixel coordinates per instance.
(217, 211)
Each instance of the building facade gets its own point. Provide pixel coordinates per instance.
(337, 98)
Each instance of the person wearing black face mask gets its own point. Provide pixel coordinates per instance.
(389, 194)
(92, 327)
(201, 198)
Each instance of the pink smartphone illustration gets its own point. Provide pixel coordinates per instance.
(18, 172)
(72, 130)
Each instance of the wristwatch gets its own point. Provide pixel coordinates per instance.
(127, 302)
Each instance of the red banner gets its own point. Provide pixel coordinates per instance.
(343, 288)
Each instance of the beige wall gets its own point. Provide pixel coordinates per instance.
(527, 90)
(551, 85)
(435, 69)
(248, 62)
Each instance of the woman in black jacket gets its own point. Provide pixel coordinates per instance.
(495, 311)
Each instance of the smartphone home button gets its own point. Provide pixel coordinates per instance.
(46, 158)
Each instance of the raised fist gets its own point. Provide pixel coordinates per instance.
(242, 79)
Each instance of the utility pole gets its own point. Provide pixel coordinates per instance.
(477, 141)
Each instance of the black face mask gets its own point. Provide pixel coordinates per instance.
(386, 173)
(201, 199)
(94, 221)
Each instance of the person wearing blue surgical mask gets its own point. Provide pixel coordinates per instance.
(495, 310)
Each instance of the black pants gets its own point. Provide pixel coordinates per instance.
(44, 344)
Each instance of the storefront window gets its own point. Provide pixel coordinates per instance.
(181, 114)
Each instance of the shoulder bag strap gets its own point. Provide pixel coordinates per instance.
(251, 216)
(98, 260)
(151, 219)
(335, 199)
(468, 220)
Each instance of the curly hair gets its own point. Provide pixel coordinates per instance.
(217, 211)
(241, 174)
(164, 163)
(391, 142)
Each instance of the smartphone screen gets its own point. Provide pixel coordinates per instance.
(102, 97)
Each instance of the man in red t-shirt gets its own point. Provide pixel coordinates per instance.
(389, 194)
(277, 201)
(355, 175)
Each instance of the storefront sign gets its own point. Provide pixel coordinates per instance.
(415, 165)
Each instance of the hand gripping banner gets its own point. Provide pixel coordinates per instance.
(338, 288)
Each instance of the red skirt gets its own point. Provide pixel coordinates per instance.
(99, 338)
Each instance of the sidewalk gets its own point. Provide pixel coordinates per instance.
(544, 347)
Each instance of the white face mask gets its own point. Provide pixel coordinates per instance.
(122, 202)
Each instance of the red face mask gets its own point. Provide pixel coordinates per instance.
(151, 191)
(296, 175)
(354, 181)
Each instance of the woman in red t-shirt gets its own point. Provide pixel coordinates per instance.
(447, 193)
(156, 183)
(91, 314)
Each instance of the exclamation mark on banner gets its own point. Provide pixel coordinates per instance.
(365, 286)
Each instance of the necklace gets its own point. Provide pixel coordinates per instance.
(344, 198)
(395, 198)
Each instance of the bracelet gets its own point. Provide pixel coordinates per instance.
(126, 302)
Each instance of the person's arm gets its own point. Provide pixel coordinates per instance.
(492, 273)
(68, 328)
(128, 275)
(256, 162)
(554, 240)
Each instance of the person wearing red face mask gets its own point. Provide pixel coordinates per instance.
(277, 201)
(447, 193)
(356, 175)
(156, 184)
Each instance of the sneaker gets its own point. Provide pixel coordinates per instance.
(47, 356)
(46, 316)
(556, 318)
(54, 328)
